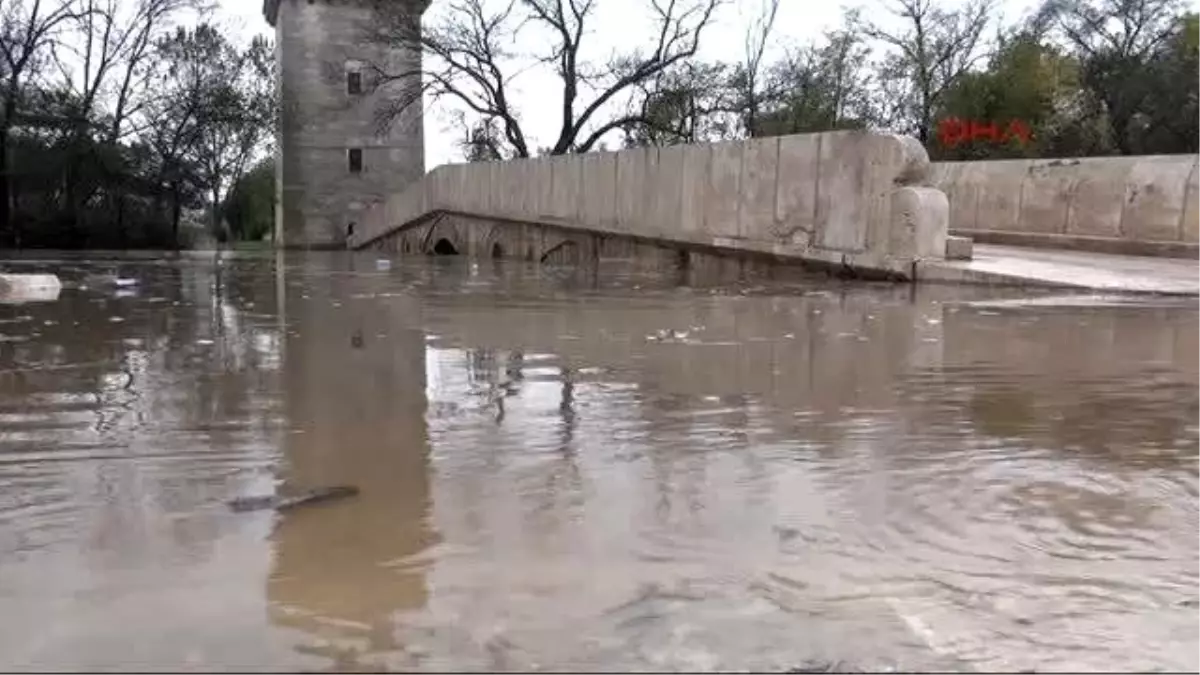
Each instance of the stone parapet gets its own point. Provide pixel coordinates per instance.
(1132, 205)
(852, 198)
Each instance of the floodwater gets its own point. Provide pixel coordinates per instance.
(561, 473)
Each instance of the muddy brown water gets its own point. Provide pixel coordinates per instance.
(564, 471)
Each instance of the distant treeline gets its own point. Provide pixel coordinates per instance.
(117, 124)
(1075, 78)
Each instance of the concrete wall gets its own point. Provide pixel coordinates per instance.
(1124, 204)
(317, 41)
(853, 198)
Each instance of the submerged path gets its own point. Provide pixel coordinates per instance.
(1069, 269)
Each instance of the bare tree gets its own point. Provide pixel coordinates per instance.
(216, 116)
(94, 45)
(481, 141)
(467, 57)
(748, 78)
(28, 29)
(104, 64)
(692, 102)
(933, 50)
(1128, 28)
(235, 119)
(137, 43)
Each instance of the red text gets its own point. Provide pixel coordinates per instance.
(953, 131)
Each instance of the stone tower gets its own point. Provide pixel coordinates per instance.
(333, 159)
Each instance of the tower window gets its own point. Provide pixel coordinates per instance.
(355, 157)
(354, 83)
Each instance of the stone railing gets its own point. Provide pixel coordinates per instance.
(852, 198)
(1136, 205)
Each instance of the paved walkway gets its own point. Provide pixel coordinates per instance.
(1013, 265)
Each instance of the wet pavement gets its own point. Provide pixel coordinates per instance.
(1065, 268)
(556, 472)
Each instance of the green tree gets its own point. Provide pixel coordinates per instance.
(250, 207)
(1167, 122)
(823, 87)
(935, 47)
(1122, 45)
(1030, 92)
(225, 111)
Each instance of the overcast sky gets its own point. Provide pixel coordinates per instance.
(798, 22)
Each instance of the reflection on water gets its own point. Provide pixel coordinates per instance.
(557, 473)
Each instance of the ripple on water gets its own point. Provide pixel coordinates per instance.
(626, 476)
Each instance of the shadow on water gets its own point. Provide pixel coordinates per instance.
(355, 393)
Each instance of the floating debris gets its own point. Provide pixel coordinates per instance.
(282, 502)
(22, 288)
(668, 335)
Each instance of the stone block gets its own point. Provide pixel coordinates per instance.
(514, 188)
(1190, 225)
(890, 160)
(500, 187)
(566, 193)
(998, 194)
(539, 188)
(471, 187)
(959, 248)
(450, 187)
(1097, 196)
(956, 179)
(1046, 196)
(484, 177)
(460, 183)
(441, 190)
(756, 209)
(598, 182)
(920, 223)
(633, 169)
(1154, 198)
(850, 186)
(496, 186)
(796, 195)
(723, 196)
(665, 195)
(694, 187)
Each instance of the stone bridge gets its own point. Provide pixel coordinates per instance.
(853, 202)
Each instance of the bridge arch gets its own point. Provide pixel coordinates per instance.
(444, 246)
